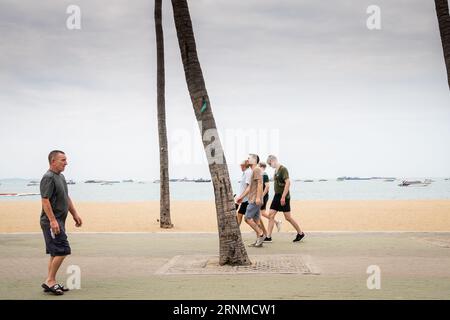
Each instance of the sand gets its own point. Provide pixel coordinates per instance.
(200, 216)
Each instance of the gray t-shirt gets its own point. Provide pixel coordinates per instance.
(54, 187)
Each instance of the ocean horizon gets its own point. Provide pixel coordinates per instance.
(311, 189)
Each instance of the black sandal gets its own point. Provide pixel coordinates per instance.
(56, 289)
(64, 289)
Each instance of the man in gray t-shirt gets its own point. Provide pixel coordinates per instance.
(56, 204)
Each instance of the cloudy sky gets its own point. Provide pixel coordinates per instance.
(301, 78)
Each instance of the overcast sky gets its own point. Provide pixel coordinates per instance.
(304, 79)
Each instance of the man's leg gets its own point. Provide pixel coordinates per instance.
(291, 220)
(53, 269)
(254, 226)
(239, 218)
(265, 214)
(261, 225)
(272, 214)
(49, 267)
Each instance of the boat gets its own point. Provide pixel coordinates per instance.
(32, 184)
(416, 183)
(19, 194)
(70, 182)
(128, 181)
(389, 180)
(353, 179)
(202, 180)
(322, 180)
(308, 180)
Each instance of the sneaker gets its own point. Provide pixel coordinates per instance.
(299, 237)
(278, 224)
(260, 241)
(268, 239)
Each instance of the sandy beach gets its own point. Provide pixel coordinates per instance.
(200, 216)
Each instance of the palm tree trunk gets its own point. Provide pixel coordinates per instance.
(232, 249)
(444, 27)
(164, 205)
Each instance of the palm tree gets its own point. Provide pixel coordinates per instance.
(164, 202)
(232, 249)
(444, 27)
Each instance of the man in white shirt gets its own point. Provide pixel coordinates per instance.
(245, 182)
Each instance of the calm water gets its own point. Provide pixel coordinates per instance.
(328, 190)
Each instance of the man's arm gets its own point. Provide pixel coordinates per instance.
(47, 207)
(73, 212)
(259, 191)
(266, 188)
(287, 184)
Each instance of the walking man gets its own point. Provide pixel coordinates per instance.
(56, 203)
(241, 207)
(266, 187)
(254, 192)
(281, 199)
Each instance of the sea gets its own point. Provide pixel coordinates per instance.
(332, 189)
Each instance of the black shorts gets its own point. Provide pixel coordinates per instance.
(276, 205)
(243, 207)
(59, 245)
(265, 200)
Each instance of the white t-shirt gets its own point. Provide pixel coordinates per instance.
(245, 182)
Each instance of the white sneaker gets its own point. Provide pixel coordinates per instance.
(259, 241)
(278, 224)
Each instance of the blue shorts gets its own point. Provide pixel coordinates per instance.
(252, 211)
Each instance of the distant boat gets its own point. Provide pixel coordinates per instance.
(202, 180)
(128, 181)
(102, 181)
(389, 180)
(308, 180)
(322, 180)
(18, 194)
(416, 183)
(353, 178)
(70, 182)
(32, 184)
(141, 182)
